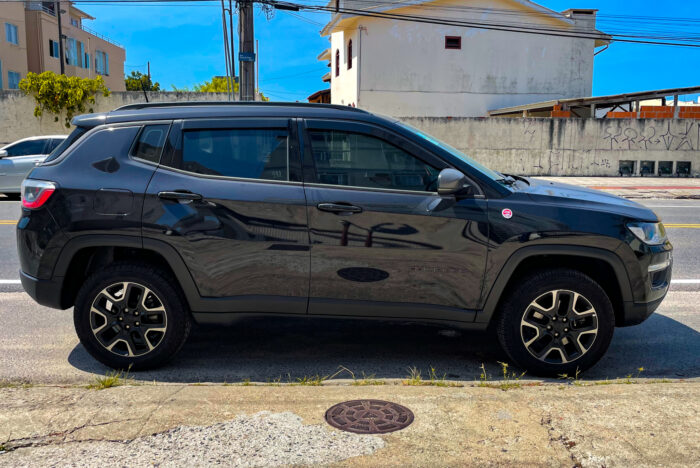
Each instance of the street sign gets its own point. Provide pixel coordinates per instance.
(246, 56)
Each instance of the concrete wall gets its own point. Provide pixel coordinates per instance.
(405, 69)
(17, 111)
(578, 147)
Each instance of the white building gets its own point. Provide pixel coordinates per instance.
(407, 68)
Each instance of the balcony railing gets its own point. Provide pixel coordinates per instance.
(52, 12)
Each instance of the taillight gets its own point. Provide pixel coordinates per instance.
(36, 192)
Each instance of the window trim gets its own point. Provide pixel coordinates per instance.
(459, 40)
(350, 54)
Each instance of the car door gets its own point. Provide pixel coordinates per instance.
(230, 200)
(20, 160)
(384, 243)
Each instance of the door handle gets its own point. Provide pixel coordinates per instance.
(339, 208)
(180, 195)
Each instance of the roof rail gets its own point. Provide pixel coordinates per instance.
(147, 105)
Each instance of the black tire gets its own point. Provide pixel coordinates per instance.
(547, 286)
(175, 318)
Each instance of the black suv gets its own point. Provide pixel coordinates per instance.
(153, 216)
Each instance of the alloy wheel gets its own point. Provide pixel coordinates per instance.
(128, 319)
(559, 327)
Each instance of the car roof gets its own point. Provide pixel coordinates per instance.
(39, 137)
(184, 110)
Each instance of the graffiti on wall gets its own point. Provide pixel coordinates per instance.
(666, 136)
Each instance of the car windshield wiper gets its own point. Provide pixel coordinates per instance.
(506, 180)
(515, 178)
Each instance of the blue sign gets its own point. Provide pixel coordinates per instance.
(246, 56)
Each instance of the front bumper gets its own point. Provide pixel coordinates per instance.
(45, 292)
(634, 313)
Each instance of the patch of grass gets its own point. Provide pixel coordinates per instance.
(574, 380)
(111, 379)
(367, 380)
(274, 382)
(510, 380)
(628, 380)
(7, 384)
(415, 378)
(655, 381)
(246, 383)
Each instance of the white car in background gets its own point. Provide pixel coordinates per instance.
(20, 157)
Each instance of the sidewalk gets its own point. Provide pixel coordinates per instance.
(637, 187)
(635, 424)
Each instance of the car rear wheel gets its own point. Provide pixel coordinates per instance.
(131, 316)
(556, 322)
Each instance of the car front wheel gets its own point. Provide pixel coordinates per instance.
(131, 316)
(556, 322)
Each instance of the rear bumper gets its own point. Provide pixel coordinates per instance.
(45, 292)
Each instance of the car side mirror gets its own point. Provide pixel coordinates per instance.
(453, 182)
(3, 153)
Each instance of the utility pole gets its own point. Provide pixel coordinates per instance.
(246, 55)
(233, 56)
(149, 71)
(61, 52)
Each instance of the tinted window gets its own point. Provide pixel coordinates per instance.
(358, 160)
(248, 153)
(70, 139)
(53, 143)
(149, 144)
(26, 148)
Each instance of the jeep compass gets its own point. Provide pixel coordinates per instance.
(156, 216)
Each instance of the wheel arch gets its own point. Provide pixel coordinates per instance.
(602, 265)
(82, 255)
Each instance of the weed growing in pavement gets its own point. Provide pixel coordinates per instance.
(628, 379)
(7, 384)
(510, 380)
(573, 380)
(365, 380)
(415, 378)
(111, 379)
(246, 382)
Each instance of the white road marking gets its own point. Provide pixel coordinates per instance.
(10, 281)
(685, 281)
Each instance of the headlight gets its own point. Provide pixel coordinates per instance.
(649, 233)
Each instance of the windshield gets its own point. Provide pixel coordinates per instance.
(493, 175)
(70, 139)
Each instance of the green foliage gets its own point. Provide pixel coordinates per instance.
(218, 84)
(140, 82)
(59, 94)
(111, 379)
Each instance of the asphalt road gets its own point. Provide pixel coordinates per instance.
(39, 345)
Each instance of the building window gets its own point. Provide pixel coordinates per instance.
(0, 74)
(72, 52)
(13, 80)
(11, 34)
(349, 54)
(453, 42)
(101, 63)
(53, 49)
(337, 62)
(75, 22)
(86, 60)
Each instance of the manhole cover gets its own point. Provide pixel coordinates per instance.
(369, 416)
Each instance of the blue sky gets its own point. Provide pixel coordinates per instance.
(184, 45)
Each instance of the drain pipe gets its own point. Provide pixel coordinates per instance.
(359, 62)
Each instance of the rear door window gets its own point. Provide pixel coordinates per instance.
(65, 144)
(237, 152)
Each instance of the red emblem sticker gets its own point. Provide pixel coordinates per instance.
(507, 213)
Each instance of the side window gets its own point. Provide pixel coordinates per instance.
(246, 153)
(26, 148)
(52, 144)
(358, 160)
(149, 144)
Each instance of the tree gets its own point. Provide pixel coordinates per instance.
(140, 82)
(218, 84)
(57, 94)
